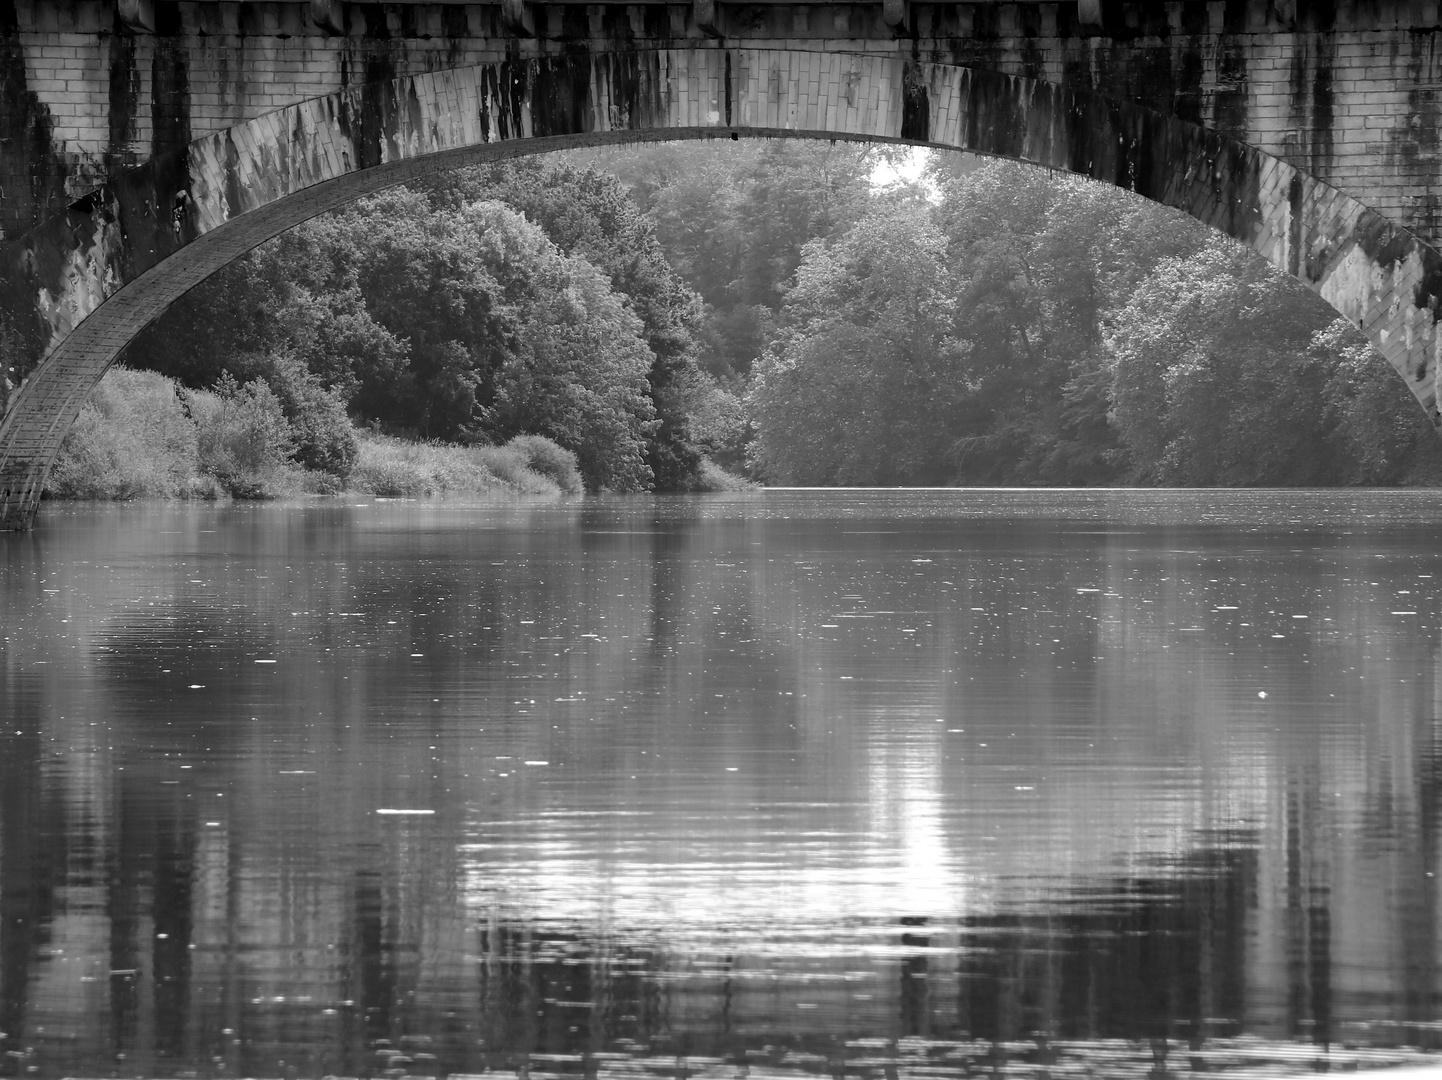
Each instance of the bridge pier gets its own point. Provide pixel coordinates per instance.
(30, 440)
(18, 504)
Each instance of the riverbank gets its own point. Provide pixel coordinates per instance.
(144, 436)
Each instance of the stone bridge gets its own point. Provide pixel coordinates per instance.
(146, 143)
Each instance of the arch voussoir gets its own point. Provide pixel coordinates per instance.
(77, 288)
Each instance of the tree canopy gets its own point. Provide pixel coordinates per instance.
(1027, 328)
(768, 305)
(447, 314)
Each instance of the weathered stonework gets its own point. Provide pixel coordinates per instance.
(133, 164)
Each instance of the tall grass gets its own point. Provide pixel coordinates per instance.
(398, 469)
(711, 477)
(541, 455)
(141, 435)
(133, 439)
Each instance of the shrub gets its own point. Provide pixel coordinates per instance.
(244, 440)
(141, 435)
(132, 440)
(321, 432)
(711, 477)
(503, 463)
(325, 440)
(315, 482)
(390, 477)
(543, 456)
(205, 487)
(392, 468)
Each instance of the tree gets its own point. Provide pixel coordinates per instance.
(1214, 382)
(1065, 333)
(1380, 434)
(578, 372)
(733, 218)
(242, 435)
(424, 278)
(857, 387)
(589, 215)
(270, 301)
(1045, 260)
(457, 321)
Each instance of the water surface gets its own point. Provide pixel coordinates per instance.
(872, 784)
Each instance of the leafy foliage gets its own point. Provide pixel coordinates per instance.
(763, 303)
(397, 468)
(133, 439)
(590, 216)
(543, 456)
(579, 375)
(444, 314)
(733, 219)
(243, 438)
(1213, 383)
(1373, 424)
(860, 379)
(1034, 329)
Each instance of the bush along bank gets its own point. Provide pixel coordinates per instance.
(143, 435)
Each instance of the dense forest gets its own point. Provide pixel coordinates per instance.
(769, 307)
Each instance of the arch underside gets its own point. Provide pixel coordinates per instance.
(76, 289)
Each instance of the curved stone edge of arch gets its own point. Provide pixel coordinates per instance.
(49, 401)
(78, 287)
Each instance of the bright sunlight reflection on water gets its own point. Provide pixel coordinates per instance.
(779, 784)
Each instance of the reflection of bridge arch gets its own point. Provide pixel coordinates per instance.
(77, 288)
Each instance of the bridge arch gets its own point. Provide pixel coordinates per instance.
(76, 289)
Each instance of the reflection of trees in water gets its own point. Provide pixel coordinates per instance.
(1159, 960)
(1420, 993)
(30, 859)
(304, 895)
(552, 992)
(1141, 958)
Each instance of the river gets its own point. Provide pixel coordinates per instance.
(870, 784)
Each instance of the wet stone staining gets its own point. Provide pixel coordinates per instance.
(124, 99)
(372, 126)
(560, 96)
(1229, 102)
(916, 107)
(32, 173)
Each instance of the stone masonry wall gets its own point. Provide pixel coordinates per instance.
(1347, 90)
